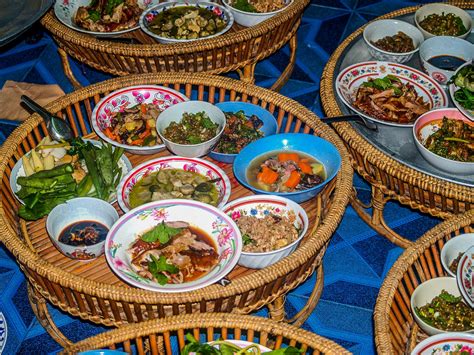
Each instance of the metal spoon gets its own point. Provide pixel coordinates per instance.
(356, 118)
(58, 129)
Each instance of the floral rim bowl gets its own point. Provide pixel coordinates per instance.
(465, 276)
(446, 343)
(215, 223)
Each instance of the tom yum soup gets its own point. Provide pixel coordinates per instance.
(285, 171)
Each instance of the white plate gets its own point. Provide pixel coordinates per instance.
(465, 276)
(349, 80)
(18, 170)
(445, 343)
(65, 11)
(453, 88)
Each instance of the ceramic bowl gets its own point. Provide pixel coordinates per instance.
(439, 8)
(65, 11)
(382, 28)
(444, 45)
(147, 17)
(316, 147)
(425, 293)
(452, 90)
(175, 114)
(259, 206)
(196, 165)
(249, 19)
(216, 224)
(429, 123)
(446, 343)
(75, 210)
(270, 125)
(465, 276)
(117, 101)
(453, 247)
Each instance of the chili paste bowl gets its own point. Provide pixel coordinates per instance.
(269, 124)
(76, 210)
(217, 226)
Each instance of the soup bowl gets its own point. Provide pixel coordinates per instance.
(219, 229)
(311, 146)
(193, 165)
(453, 248)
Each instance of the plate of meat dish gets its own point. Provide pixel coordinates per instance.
(101, 17)
(389, 93)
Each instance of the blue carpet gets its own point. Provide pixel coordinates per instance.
(357, 259)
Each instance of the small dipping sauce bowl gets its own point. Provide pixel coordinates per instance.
(81, 209)
(440, 56)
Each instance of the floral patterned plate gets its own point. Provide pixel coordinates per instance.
(65, 11)
(349, 80)
(465, 276)
(446, 344)
(117, 101)
(194, 165)
(215, 223)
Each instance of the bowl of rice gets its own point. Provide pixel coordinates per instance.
(251, 12)
(272, 227)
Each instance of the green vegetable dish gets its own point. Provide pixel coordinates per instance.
(187, 22)
(447, 312)
(194, 128)
(464, 82)
(443, 25)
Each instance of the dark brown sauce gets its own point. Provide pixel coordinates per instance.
(199, 259)
(446, 62)
(83, 233)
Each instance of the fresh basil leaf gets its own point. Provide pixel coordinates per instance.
(162, 233)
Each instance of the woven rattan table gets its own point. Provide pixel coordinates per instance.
(237, 50)
(92, 291)
(390, 179)
(165, 336)
(395, 329)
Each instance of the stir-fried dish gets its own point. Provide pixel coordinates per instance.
(173, 253)
(108, 15)
(238, 132)
(464, 81)
(269, 233)
(398, 43)
(174, 183)
(443, 25)
(453, 140)
(454, 264)
(285, 171)
(187, 22)
(135, 126)
(259, 6)
(389, 99)
(447, 312)
(194, 128)
(83, 233)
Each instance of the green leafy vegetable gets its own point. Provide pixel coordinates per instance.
(94, 15)
(244, 5)
(158, 266)
(162, 233)
(247, 240)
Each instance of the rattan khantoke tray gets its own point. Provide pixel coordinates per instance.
(396, 331)
(239, 49)
(92, 291)
(390, 179)
(167, 336)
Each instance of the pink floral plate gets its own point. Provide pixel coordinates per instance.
(349, 80)
(194, 165)
(216, 224)
(446, 344)
(465, 276)
(117, 101)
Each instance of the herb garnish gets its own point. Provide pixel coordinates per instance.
(162, 233)
(158, 266)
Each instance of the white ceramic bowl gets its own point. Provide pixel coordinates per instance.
(249, 19)
(439, 8)
(117, 101)
(464, 276)
(446, 343)
(260, 206)
(429, 123)
(196, 165)
(444, 45)
(453, 247)
(425, 293)
(175, 113)
(148, 16)
(216, 224)
(382, 28)
(75, 210)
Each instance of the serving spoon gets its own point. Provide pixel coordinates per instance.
(58, 129)
(355, 118)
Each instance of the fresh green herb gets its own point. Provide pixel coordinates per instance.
(384, 83)
(94, 15)
(162, 233)
(158, 266)
(247, 240)
(244, 5)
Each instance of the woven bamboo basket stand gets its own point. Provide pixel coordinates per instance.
(396, 331)
(391, 180)
(237, 50)
(158, 336)
(91, 290)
